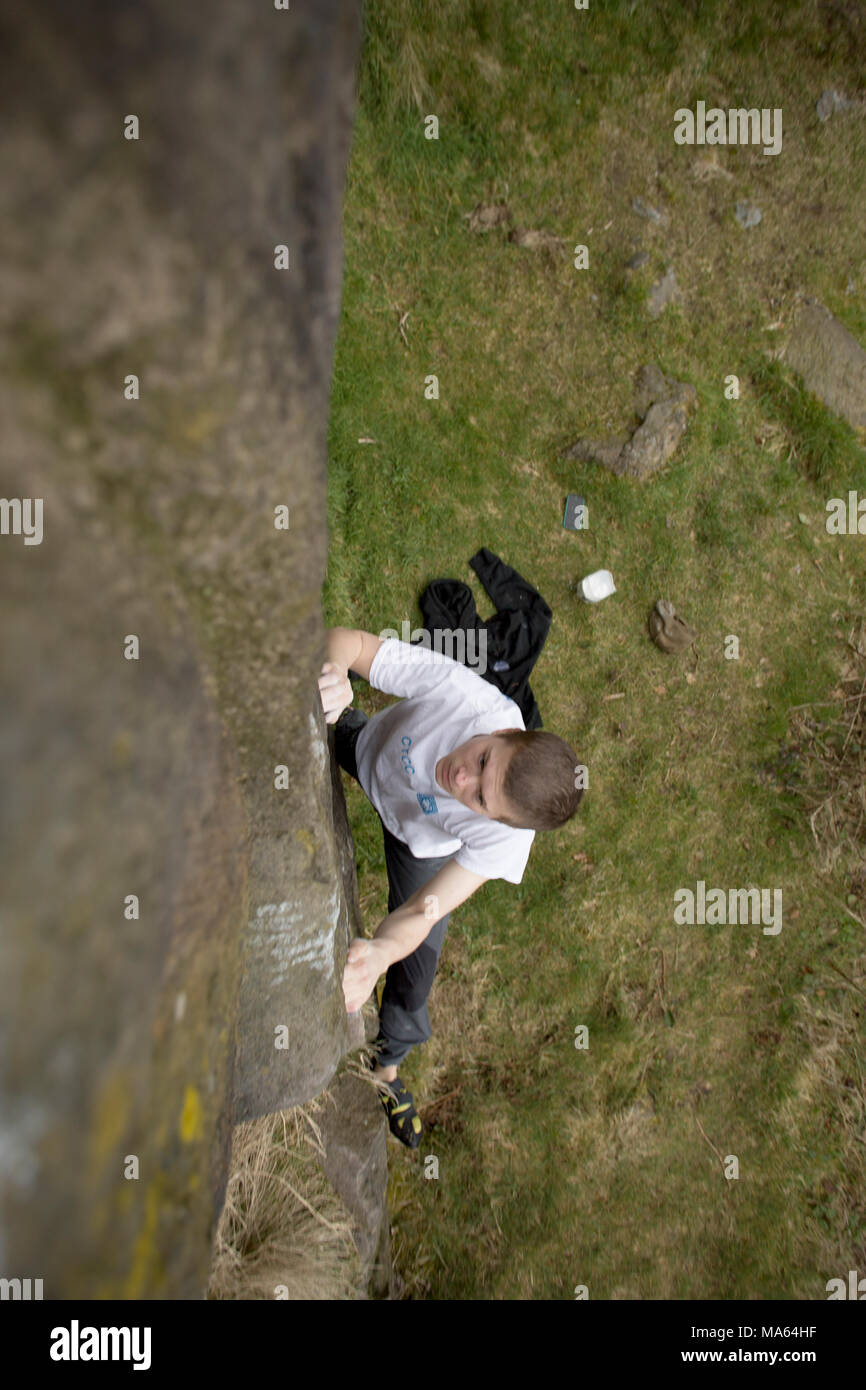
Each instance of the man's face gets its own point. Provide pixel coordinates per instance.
(474, 774)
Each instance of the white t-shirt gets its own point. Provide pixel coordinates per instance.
(444, 704)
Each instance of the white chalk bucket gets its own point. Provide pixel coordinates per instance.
(596, 586)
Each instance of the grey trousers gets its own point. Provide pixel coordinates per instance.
(404, 1022)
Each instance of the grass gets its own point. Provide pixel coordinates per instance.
(283, 1231)
(604, 1166)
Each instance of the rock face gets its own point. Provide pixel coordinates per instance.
(831, 362)
(356, 1163)
(178, 878)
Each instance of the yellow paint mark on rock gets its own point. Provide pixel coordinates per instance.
(200, 426)
(147, 1274)
(191, 1116)
(121, 749)
(305, 838)
(110, 1120)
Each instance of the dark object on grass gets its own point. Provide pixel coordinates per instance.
(515, 634)
(670, 632)
(575, 512)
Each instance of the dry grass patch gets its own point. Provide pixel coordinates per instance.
(283, 1227)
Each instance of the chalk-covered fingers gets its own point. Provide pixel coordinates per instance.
(335, 690)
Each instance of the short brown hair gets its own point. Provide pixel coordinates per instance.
(539, 783)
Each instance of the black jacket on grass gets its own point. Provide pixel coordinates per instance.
(515, 634)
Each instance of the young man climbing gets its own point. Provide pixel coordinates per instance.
(460, 787)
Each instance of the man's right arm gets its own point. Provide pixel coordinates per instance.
(352, 649)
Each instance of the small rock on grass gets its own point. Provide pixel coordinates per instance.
(665, 292)
(653, 442)
(663, 405)
(484, 216)
(748, 214)
(830, 360)
(602, 451)
(647, 210)
(536, 240)
(829, 102)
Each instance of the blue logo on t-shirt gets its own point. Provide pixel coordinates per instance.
(427, 804)
(404, 756)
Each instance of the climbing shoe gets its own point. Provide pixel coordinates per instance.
(403, 1118)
